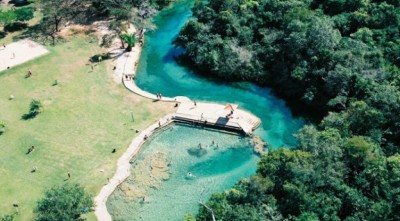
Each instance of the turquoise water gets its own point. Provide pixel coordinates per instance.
(159, 72)
(160, 171)
(170, 198)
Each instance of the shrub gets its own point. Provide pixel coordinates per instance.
(13, 20)
(7, 218)
(7, 17)
(24, 14)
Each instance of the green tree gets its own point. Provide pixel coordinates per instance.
(130, 40)
(339, 57)
(7, 218)
(67, 202)
(7, 17)
(24, 14)
(58, 13)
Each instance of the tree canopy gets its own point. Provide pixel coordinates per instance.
(67, 202)
(339, 57)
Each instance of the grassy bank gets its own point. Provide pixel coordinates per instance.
(86, 115)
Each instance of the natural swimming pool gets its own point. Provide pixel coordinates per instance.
(171, 197)
(172, 173)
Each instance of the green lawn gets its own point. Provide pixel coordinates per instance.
(85, 116)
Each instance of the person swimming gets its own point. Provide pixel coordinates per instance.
(190, 174)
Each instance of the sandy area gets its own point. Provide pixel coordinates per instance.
(19, 52)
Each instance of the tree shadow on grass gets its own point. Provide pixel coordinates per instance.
(29, 116)
(40, 34)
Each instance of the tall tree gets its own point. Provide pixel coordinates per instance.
(65, 203)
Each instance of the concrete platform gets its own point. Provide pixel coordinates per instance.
(217, 114)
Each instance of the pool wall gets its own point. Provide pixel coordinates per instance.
(123, 167)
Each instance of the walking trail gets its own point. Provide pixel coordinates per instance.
(207, 113)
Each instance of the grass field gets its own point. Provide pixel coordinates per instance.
(85, 116)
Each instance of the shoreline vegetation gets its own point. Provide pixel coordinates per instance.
(339, 57)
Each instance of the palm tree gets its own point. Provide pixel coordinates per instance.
(129, 39)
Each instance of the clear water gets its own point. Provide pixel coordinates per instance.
(213, 170)
(170, 194)
(159, 72)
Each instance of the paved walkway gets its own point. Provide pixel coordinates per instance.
(123, 168)
(125, 69)
(19, 52)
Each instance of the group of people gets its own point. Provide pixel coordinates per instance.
(159, 96)
(129, 77)
(212, 144)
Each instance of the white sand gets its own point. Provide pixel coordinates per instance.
(20, 52)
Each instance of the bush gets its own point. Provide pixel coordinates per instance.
(15, 18)
(34, 109)
(24, 14)
(7, 218)
(7, 17)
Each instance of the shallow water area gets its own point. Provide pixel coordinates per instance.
(169, 178)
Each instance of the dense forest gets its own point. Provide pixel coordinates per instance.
(341, 57)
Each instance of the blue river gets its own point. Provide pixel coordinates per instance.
(159, 187)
